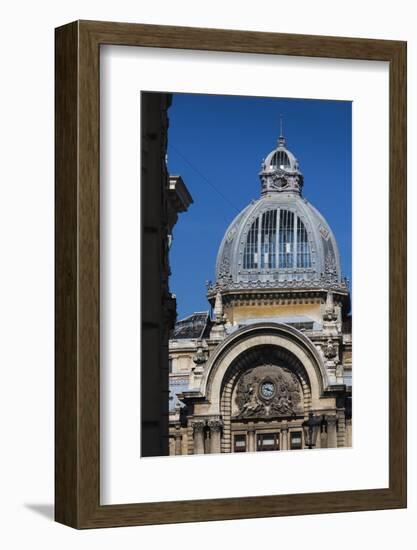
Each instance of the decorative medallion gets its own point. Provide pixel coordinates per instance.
(231, 234)
(268, 391)
(324, 232)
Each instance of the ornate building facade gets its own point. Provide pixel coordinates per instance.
(276, 352)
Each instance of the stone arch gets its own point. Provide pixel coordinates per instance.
(277, 335)
(275, 357)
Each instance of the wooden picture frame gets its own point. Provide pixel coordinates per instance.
(77, 372)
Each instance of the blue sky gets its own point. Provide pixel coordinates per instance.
(217, 143)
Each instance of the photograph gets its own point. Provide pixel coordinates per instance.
(259, 264)
(224, 201)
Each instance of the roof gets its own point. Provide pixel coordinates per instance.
(192, 327)
(279, 240)
(324, 251)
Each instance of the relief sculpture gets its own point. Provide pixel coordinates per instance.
(268, 391)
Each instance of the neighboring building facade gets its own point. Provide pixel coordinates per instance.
(163, 198)
(279, 344)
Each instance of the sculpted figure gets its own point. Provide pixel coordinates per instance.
(252, 405)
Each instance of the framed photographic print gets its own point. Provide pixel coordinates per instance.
(230, 274)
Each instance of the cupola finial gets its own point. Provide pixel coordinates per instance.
(280, 170)
(281, 140)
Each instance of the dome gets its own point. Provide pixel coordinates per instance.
(279, 240)
(280, 171)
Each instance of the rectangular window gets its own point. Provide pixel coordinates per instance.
(250, 256)
(240, 443)
(268, 239)
(295, 440)
(268, 442)
(303, 246)
(286, 239)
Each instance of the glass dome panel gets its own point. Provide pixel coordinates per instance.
(277, 239)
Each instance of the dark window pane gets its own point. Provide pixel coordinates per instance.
(240, 443)
(296, 441)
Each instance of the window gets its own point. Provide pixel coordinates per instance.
(286, 239)
(303, 248)
(250, 256)
(240, 443)
(268, 239)
(268, 442)
(295, 440)
(277, 239)
(281, 160)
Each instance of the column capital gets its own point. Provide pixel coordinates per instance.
(331, 418)
(198, 425)
(215, 425)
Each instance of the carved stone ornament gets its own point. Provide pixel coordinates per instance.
(198, 425)
(330, 311)
(231, 234)
(280, 180)
(218, 309)
(224, 267)
(324, 232)
(330, 350)
(268, 391)
(226, 283)
(215, 425)
(330, 269)
(200, 356)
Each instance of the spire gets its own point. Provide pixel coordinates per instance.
(281, 139)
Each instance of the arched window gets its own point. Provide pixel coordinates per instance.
(277, 239)
(281, 160)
